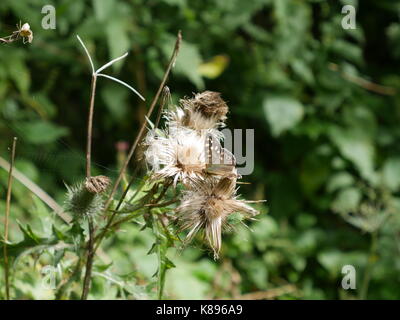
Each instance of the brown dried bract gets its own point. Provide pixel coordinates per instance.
(97, 184)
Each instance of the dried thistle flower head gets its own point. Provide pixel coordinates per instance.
(179, 156)
(209, 104)
(205, 110)
(206, 208)
(26, 33)
(97, 184)
(23, 31)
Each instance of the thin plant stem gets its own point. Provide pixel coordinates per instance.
(111, 62)
(90, 252)
(166, 96)
(90, 126)
(8, 205)
(90, 246)
(109, 222)
(87, 53)
(136, 141)
(160, 252)
(164, 204)
(143, 127)
(161, 269)
(89, 260)
(368, 270)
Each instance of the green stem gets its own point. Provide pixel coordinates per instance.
(161, 268)
(8, 205)
(368, 270)
(89, 261)
(74, 276)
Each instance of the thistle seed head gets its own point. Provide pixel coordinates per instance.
(206, 208)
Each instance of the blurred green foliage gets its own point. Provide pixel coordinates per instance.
(327, 136)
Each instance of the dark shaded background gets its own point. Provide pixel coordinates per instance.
(324, 103)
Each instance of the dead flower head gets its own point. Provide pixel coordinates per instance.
(206, 208)
(23, 31)
(26, 33)
(209, 104)
(97, 184)
(180, 156)
(206, 110)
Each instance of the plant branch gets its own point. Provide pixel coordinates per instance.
(96, 73)
(143, 127)
(111, 62)
(123, 83)
(89, 260)
(137, 139)
(8, 204)
(90, 246)
(90, 126)
(366, 84)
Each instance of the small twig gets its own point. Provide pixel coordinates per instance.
(8, 204)
(126, 219)
(163, 204)
(87, 53)
(5, 40)
(123, 83)
(111, 62)
(368, 85)
(137, 139)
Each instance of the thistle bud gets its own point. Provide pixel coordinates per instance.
(84, 199)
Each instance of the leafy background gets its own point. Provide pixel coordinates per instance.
(324, 103)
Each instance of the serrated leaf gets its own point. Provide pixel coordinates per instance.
(31, 242)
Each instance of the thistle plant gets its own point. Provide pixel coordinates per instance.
(183, 152)
(190, 186)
